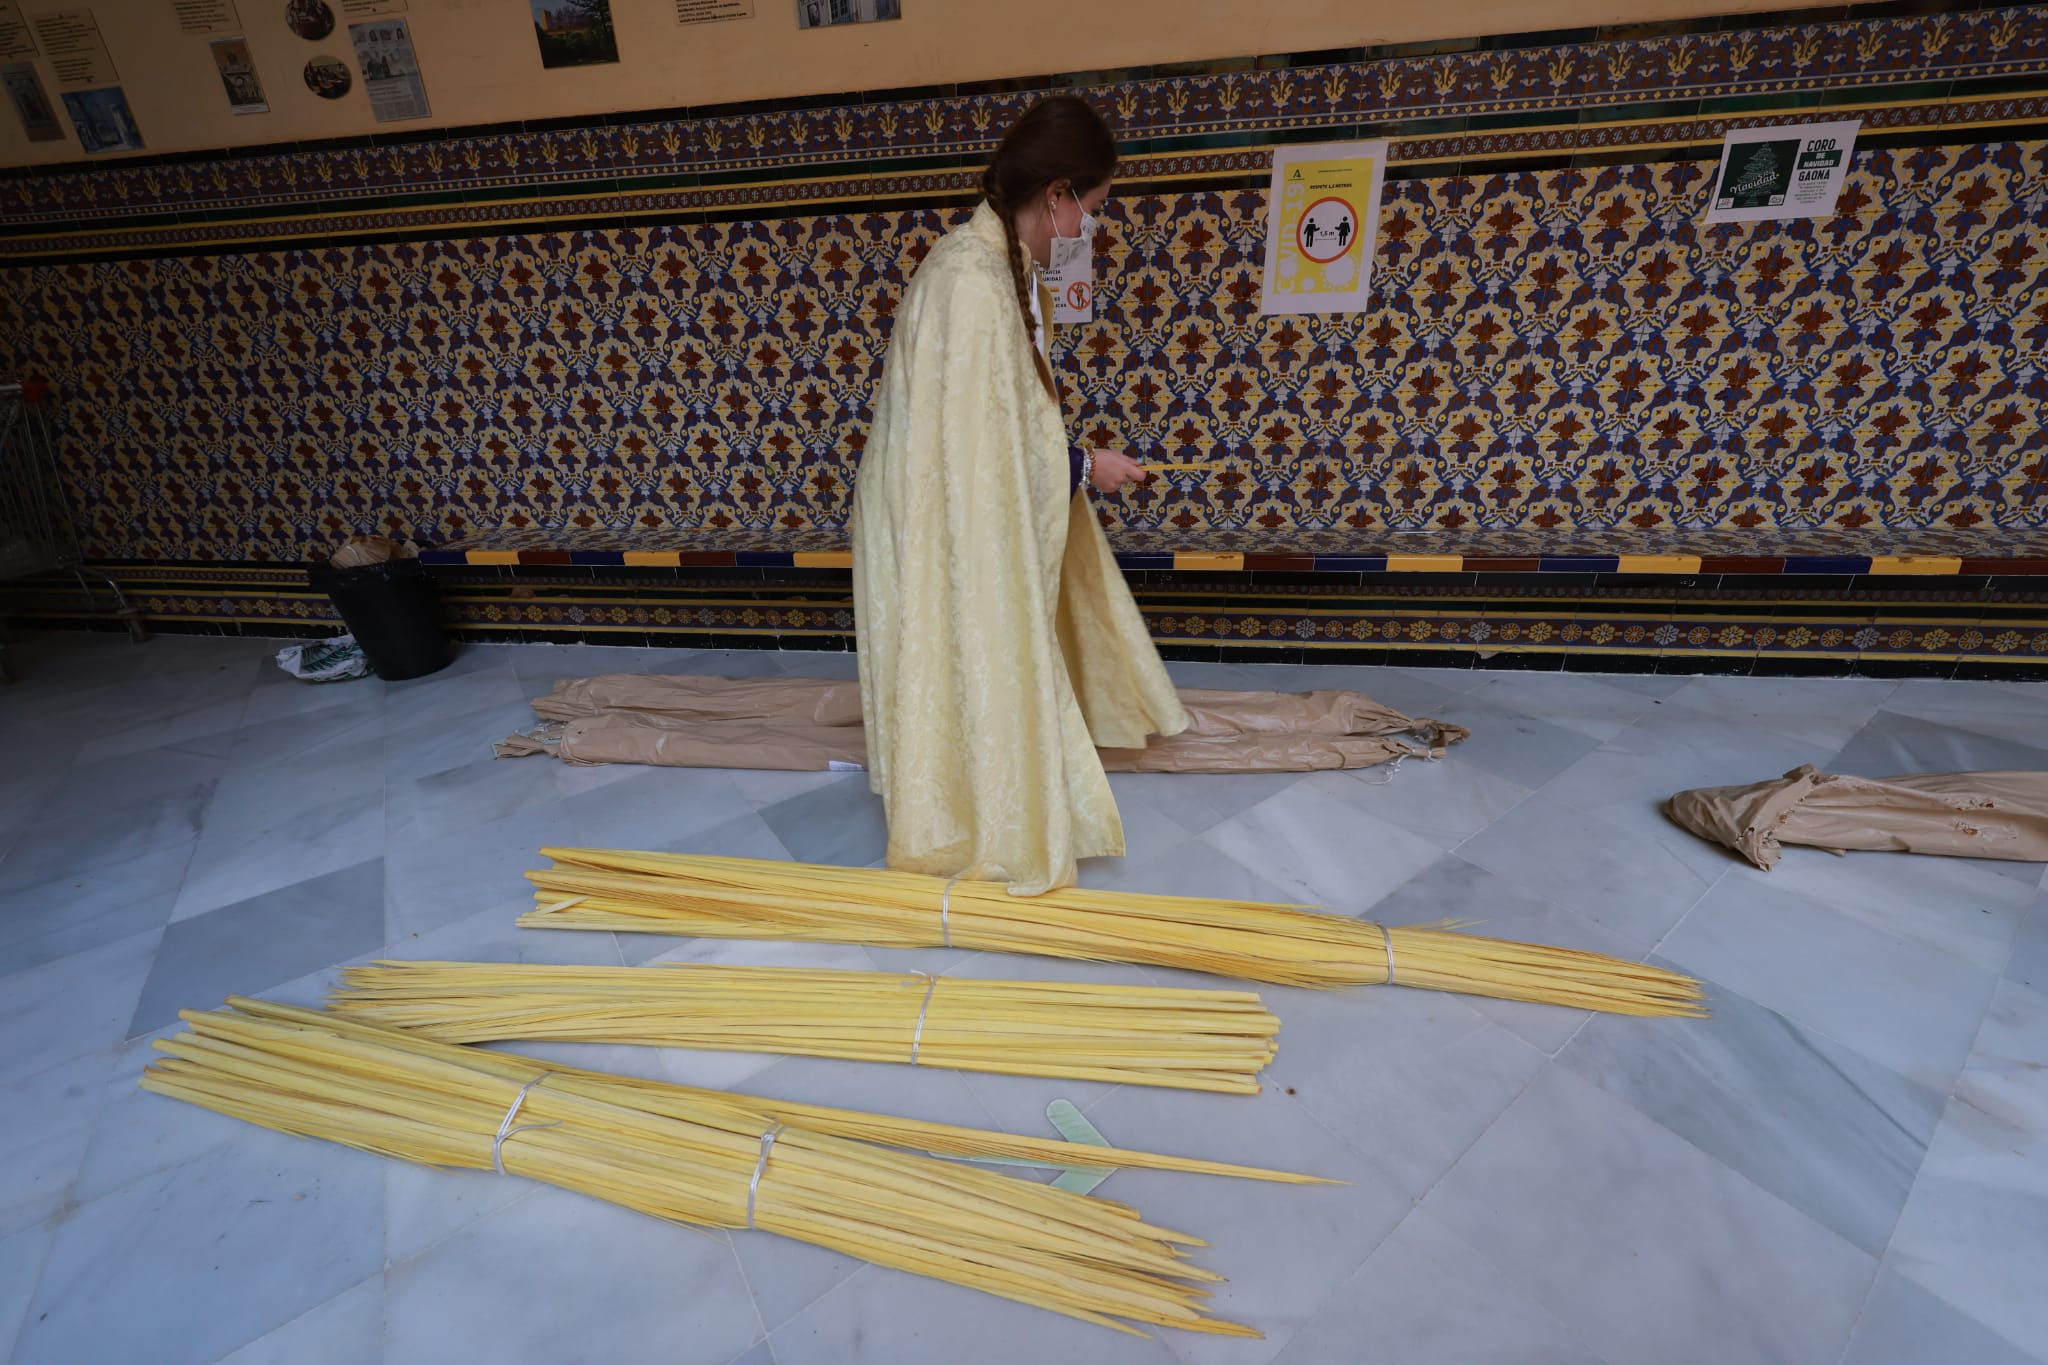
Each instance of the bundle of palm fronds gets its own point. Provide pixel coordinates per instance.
(709, 1164)
(1149, 1035)
(713, 897)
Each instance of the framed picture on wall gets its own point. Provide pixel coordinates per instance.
(31, 105)
(103, 121)
(574, 32)
(827, 13)
(238, 75)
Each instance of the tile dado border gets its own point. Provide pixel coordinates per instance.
(1867, 54)
(1923, 635)
(1187, 170)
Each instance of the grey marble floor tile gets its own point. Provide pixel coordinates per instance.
(253, 798)
(838, 824)
(95, 906)
(424, 1207)
(428, 885)
(348, 1329)
(1820, 711)
(888, 1317)
(1975, 1232)
(206, 722)
(558, 1276)
(1200, 802)
(1645, 1247)
(184, 1266)
(1283, 1248)
(761, 1353)
(1186, 868)
(480, 792)
(1903, 1324)
(355, 722)
(1510, 744)
(45, 1119)
(1905, 1005)
(1893, 743)
(1826, 1130)
(1446, 800)
(1426, 1297)
(1970, 908)
(233, 865)
(2028, 964)
(1411, 1078)
(46, 850)
(21, 1265)
(1635, 889)
(87, 789)
(1576, 701)
(1322, 849)
(243, 949)
(415, 751)
(72, 1007)
(652, 808)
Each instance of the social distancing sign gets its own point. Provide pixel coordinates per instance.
(1322, 217)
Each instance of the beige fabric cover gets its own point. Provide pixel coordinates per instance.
(810, 724)
(1962, 815)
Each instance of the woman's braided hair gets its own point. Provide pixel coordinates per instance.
(1059, 138)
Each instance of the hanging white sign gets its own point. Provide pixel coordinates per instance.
(1772, 174)
(1322, 222)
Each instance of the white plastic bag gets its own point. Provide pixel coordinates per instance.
(325, 661)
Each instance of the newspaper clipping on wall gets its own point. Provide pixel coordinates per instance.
(31, 105)
(391, 73)
(70, 38)
(238, 75)
(712, 11)
(206, 16)
(16, 42)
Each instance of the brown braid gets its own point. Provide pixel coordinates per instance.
(1021, 281)
(1059, 138)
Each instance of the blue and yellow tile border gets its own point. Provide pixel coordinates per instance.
(1539, 98)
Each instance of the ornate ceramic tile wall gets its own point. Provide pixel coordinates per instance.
(1559, 350)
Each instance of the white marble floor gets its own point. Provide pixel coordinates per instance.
(1845, 1166)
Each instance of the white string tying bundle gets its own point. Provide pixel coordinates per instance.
(754, 1185)
(505, 1128)
(1387, 942)
(931, 983)
(945, 913)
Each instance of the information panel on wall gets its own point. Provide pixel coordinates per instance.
(1322, 220)
(1769, 174)
(15, 40)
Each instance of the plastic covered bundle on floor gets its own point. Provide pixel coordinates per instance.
(2000, 815)
(814, 724)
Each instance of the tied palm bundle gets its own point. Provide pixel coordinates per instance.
(1148, 1035)
(707, 1165)
(714, 897)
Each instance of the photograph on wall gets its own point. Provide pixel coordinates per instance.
(31, 105)
(328, 78)
(1322, 222)
(574, 32)
(712, 11)
(78, 56)
(206, 16)
(310, 19)
(16, 42)
(238, 74)
(826, 13)
(1771, 174)
(103, 121)
(391, 72)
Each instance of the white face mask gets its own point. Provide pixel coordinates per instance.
(1071, 274)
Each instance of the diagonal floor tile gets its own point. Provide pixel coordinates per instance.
(559, 1277)
(1893, 743)
(184, 1266)
(1309, 845)
(348, 1329)
(72, 1007)
(1646, 1248)
(1975, 1232)
(45, 1119)
(1412, 1303)
(245, 948)
(97, 905)
(839, 824)
(1821, 1127)
(1903, 1324)
(1902, 1004)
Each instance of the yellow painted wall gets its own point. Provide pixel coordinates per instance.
(482, 65)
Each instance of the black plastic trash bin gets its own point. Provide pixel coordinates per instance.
(393, 612)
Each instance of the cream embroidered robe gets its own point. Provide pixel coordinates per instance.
(998, 642)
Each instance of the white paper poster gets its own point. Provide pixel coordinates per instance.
(71, 40)
(206, 16)
(1769, 174)
(15, 39)
(1322, 222)
(391, 73)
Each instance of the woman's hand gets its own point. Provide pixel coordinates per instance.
(1113, 469)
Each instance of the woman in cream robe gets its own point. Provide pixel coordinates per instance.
(999, 645)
